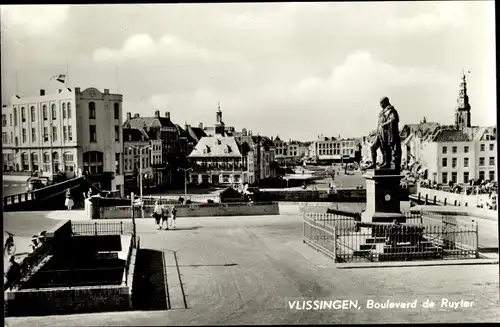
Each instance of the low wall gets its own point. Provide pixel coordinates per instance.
(195, 210)
(447, 198)
(53, 301)
(341, 195)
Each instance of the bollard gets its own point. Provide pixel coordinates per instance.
(445, 201)
(434, 200)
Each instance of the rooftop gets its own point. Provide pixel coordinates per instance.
(216, 146)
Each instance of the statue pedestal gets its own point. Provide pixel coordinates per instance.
(382, 197)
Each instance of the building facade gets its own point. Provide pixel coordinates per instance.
(67, 131)
(164, 154)
(219, 160)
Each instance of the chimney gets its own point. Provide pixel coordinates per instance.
(106, 91)
(77, 90)
(42, 93)
(129, 115)
(200, 125)
(167, 114)
(157, 113)
(136, 116)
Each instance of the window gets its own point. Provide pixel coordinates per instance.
(454, 177)
(64, 110)
(69, 110)
(466, 149)
(466, 177)
(445, 162)
(454, 163)
(68, 157)
(4, 120)
(4, 137)
(68, 162)
(481, 161)
(46, 161)
(492, 146)
(70, 133)
(54, 134)
(117, 163)
(33, 135)
(44, 110)
(91, 110)
(93, 133)
(491, 175)
(194, 179)
(24, 135)
(15, 116)
(481, 174)
(117, 133)
(34, 161)
(54, 113)
(65, 133)
(466, 162)
(45, 134)
(25, 162)
(93, 162)
(32, 114)
(445, 150)
(481, 147)
(55, 161)
(117, 110)
(10, 119)
(492, 161)
(454, 149)
(23, 114)
(444, 178)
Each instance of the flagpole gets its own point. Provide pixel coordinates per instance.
(67, 75)
(116, 80)
(17, 84)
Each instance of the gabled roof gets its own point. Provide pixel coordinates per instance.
(148, 122)
(134, 134)
(216, 146)
(450, 135)
(198, 132)
(181, 131)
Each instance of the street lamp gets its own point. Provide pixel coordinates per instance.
(140, 172)
(185, 180)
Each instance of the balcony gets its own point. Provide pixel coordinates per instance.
(219, 168)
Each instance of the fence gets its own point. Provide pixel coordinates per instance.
(340, 237)
(107, 228)
(174, 198)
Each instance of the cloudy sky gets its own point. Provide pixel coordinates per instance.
(293, 69)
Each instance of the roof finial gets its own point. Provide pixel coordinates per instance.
(218, 106)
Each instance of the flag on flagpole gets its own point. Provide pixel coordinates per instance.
(60, 78)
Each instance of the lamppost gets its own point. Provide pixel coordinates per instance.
(140, 173)
(185, 180)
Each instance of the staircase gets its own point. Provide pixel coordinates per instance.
(408, 247)
(37, 199)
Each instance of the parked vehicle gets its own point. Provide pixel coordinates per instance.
(35, 183)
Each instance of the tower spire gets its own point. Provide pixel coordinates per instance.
(462, 112)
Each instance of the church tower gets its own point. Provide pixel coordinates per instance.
(219, 124)
(462, 112)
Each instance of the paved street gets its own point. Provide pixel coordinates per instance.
(244, 270)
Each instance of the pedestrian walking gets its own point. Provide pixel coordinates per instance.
(173, 213)
(164, 216)
(157, 214)
(69, 200)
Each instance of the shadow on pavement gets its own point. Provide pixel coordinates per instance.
(215, 265)
(488, 250)
(149, 281)
(183, 228)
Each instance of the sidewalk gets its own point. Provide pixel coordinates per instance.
(75, 215)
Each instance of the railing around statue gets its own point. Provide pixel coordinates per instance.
(420, 238)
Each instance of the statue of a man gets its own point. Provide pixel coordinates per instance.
(387, 137)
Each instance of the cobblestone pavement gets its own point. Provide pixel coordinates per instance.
(244, 270)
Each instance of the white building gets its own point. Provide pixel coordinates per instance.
(64, 132)
(219, 160)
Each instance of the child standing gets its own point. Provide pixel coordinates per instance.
(164, 216)
(69, 200)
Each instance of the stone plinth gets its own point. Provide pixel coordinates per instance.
(382, 197)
